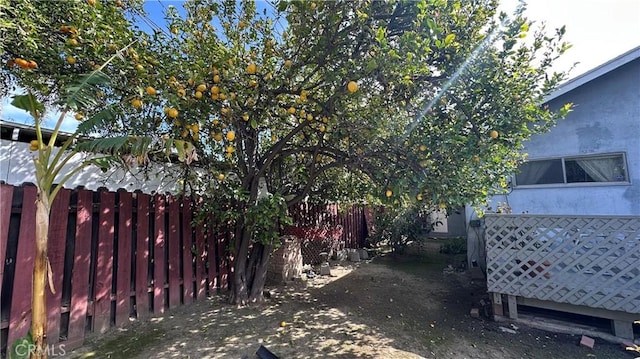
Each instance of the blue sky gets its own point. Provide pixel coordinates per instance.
(598, 29)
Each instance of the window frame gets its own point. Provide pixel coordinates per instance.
(577, 184)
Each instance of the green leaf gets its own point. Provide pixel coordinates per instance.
(82, 92)
(98, 121)
(104, 145)
(254, 124)
(449, 39)
(28, 103)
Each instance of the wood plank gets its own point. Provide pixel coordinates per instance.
(80, 272)
(6, 199)
(20, 314)
(158, 255)
(212, 255)
(104, 258)
(201, 274)
(174, 252)
(123, 267)
(223, 259)
(187, 255)
(513, 307)
(142, 256)
(56, 251)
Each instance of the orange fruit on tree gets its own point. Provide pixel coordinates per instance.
(139, 67)
(71, 60)
(245, 117)
(173, 113)
(230, 149)
(419, 197)
(252, 69)
(494, 134)
(79, 116)
(291, 110)
(136, 103)
(217, 136)
(201, 87)
(24, 64)
(198, 95)
(231, 136)
(91, 2)
(220, 177)
(216, 78)
(215, 90)
(288, 63)
(223, 96)
(352, 86)
(388, 193)
(253, 83)
(151, 91)
(423, 148)
(182, 93)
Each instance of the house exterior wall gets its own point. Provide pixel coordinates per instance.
(16, 168)
(605, 119)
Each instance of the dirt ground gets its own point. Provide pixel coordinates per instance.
(388, 307)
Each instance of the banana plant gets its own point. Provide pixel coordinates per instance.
(50, 161)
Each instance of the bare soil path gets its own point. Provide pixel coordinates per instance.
(389, 307)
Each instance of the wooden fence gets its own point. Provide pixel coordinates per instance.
(114, 256)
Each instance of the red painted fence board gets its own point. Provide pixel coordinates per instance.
(123, 267)
(201, 274)
(158, 255)
(6, 199)
(80, 273)
(104, 266)
(142, 257)
(212, 255)
(174, 252)
(55, 252)
(154, 275)
(20, 318)
(187, 255)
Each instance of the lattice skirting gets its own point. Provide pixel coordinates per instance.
(579, 260)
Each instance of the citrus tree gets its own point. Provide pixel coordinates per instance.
(74, 58)
(391, 102)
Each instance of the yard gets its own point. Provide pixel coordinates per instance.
(389, 307)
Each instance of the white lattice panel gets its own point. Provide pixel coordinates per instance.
(582, 260)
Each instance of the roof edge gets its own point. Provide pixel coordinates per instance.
(594, 73)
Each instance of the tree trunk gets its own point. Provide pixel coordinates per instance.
(239, 291)
(260, 271)
(250, 271)
(38, 295)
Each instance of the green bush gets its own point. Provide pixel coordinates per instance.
(454, 246)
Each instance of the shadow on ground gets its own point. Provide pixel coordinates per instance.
(390, 307)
